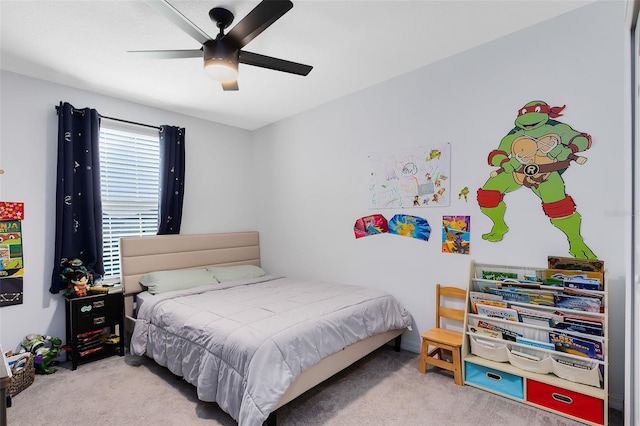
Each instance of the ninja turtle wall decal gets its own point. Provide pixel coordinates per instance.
(535, 154)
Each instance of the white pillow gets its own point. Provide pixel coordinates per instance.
(178, 279)
(235, 272)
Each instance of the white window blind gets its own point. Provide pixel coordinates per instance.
(129, 179)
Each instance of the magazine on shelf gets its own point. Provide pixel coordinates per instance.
(497, 312)
(506, 334)
(576, 345)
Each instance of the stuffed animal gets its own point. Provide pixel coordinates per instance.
(77, 277)
(45, 349)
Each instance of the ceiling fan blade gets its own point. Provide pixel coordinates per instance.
(259, 19)
(181, 21)
(263, 61)
(229, 85)
(168, 54)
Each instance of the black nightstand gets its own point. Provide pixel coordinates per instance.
(88, 318)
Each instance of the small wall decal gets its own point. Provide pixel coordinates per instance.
(455, 234)
(410, 226)
(370, 225)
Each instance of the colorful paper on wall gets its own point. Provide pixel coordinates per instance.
(11, 210)
(455, 234)
(370, 225)
(11, 265)
(414, 178)
(410, 226)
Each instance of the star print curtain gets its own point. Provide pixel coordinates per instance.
(78, 202)
(171, 179)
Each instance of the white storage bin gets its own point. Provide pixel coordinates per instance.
(542, 366)
(589, 376)
(489, 349)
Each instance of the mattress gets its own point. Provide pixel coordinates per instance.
(242, 343)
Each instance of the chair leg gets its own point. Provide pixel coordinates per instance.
(457, 367)
(422, 365)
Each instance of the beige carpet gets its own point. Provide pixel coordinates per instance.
(384, 388)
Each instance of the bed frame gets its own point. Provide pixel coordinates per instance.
(140, 255)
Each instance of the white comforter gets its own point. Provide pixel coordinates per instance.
(242, 343)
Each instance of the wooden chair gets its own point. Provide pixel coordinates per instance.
(444, 340)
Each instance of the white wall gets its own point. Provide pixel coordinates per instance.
(313, 167)
(218, 179)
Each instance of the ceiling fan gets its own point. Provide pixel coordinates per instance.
(223, 53)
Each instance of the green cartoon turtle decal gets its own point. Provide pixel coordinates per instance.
(535, 154)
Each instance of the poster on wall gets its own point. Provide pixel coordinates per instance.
(455, 234)
(11, 264)
(536, 154)
(411, 178)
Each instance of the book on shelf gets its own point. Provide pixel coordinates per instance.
(497, 312)
(506, 333)
(475, 296)
(535, 343)
(576, 345)
(582, 283)
(511, 295)
(525, 295)
(578, 303)
(498, 275)
(579, 328)
(533, 319)
(572, 263)
(484, 332)
(551, 317)
(557, 277)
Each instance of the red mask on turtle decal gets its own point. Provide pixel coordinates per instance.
(553, 112)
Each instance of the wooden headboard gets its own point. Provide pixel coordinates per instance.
(140, 255)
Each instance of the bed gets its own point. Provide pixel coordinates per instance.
(269, 339)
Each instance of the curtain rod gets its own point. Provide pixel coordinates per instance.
(114, 119)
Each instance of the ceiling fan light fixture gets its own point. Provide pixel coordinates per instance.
(221, 69)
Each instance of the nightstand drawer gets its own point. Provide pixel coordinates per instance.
(90, 307)
(575, 404)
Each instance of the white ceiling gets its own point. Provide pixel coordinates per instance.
(351, 44)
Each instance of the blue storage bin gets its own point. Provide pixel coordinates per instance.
(496, 380)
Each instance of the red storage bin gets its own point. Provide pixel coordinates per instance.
(569, 402)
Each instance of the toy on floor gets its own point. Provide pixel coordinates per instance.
(45, 349)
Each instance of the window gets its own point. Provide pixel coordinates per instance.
(129, 180)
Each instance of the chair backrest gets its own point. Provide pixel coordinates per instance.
(443, 311)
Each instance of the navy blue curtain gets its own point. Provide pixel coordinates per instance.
(78, 200)
(171, 179)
